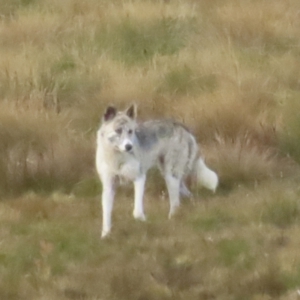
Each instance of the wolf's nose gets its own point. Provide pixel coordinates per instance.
(128, 147)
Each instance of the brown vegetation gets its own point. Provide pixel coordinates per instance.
(228, 69)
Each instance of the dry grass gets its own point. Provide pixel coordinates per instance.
(228, 70)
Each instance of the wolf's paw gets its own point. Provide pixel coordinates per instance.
(173, 212)
(105, 234)
(139, 216)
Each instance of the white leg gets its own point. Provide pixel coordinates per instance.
(138, 211)
(107, 205)
(184, 191)
(173, 184)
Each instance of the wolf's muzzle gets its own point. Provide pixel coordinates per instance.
(128, 147)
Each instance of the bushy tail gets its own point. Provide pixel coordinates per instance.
(205, 176)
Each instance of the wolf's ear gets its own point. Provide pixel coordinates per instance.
(109, 114)
(131, 111)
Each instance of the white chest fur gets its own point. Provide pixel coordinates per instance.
(119, 164)
(129, 169)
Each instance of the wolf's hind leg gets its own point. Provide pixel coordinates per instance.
(184, 191)
(173, 186)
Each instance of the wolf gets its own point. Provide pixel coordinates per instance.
(127, 149)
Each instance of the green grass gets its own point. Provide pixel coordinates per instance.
(134, 43)
(183, 81)
(290, 133)
(283, 211)
(51, 240)
(216, 220)
(235, 252)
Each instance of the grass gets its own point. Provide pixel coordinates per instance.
(183, 81)
(290, 132)
(56, 246)
(137, 42)
(284, 210)
(228, 70)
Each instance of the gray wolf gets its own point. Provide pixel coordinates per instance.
(127, 149)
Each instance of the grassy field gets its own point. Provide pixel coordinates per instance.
(229, 70)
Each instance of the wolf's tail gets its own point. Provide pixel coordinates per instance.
(205, 176)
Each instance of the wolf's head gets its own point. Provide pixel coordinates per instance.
(118, 128)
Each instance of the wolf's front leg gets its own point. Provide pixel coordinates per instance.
(139, 185)
(107, 204)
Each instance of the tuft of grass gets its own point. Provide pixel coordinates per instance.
(61, 91)
(265, 285)
(292, 279)
(65, 64)
(243, 30)
(35, 157)
(282, 209)
(19, 261)
(290, 133)
(183, 81)
(216, 220)
(241, 162)
(134, 42)
(88, 187)
(235, 252)
(8, 9)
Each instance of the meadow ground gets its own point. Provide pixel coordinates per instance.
(229, 70)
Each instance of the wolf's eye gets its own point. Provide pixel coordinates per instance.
(130, 131)
(119, 131)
